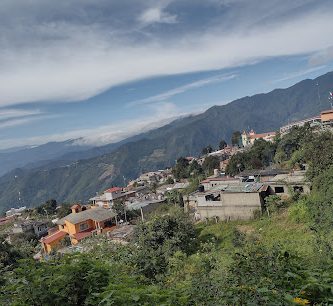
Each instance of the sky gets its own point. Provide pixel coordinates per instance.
(103, 70)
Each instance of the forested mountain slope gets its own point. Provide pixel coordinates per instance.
(159, 148)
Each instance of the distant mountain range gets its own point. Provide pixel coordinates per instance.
(78, 176)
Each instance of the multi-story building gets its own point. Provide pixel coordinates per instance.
(248, 138)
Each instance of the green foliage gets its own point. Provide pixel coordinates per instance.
(292, 142)
(72, 280)
(119, 207)
(169, 181)
(222, 144)
(236, 138)
(48, 208)
(274, 203)
(210, 163)
(180, 170)
(318, 153)
(160, 238)
(9, 255)
(299, 212)
(259, 156)
(63, 210)
(207, 150)
(174, 197)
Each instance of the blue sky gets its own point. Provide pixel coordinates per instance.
(105, 69)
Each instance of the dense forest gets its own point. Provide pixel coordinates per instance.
(281, 258)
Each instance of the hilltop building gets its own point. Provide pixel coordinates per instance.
(324, 120)
(248, 139)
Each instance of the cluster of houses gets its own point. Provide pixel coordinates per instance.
(219, 196)
(241, 197)
(323, 121)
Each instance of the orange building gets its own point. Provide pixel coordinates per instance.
(78, 225)
(326, 116)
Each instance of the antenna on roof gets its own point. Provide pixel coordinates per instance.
(318, 94)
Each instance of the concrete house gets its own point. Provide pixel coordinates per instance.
(107, 198)
(38, 228)
(284, 184)
(260, 175)
(218, 182)
(232, 202)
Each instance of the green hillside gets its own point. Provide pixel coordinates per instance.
(159, 148)
(281, 257)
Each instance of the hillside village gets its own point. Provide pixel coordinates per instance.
(208, 192)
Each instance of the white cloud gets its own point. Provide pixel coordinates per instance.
(182, 89)
(14, 113)
(157, 15)
(70, 62)
(297, 74)
(162, 113)
(322, 57)
(16, 121)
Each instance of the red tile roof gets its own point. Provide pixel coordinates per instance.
(84, 234)
(55, 236)
(263, 135)
(327, 111)
(76, 206)
(114, 189)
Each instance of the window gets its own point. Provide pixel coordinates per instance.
(279, 190)
(298, 189)
(83, 227)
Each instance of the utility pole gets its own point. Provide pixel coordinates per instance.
(142, 214)
(319, 100)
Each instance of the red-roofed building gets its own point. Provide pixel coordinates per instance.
(249, 138)
(79, 225)
(107, 198)
(52, 241)
(113, 190)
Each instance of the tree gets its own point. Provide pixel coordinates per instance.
(207, 150)
(195, 169)
(260, 155)
(222, 144)
(318, 153)
(49, 207)
(169, 181)
(210, 163)
(119, 207)
(236, 138)
(174, 197)
(63, 210)
(160, 238)
(180, 170)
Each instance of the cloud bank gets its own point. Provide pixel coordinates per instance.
(74, 50)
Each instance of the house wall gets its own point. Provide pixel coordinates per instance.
(40, 229)
(49, 247)
(232, 206)
(327, 116)
(275, 189)
(75, 228)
